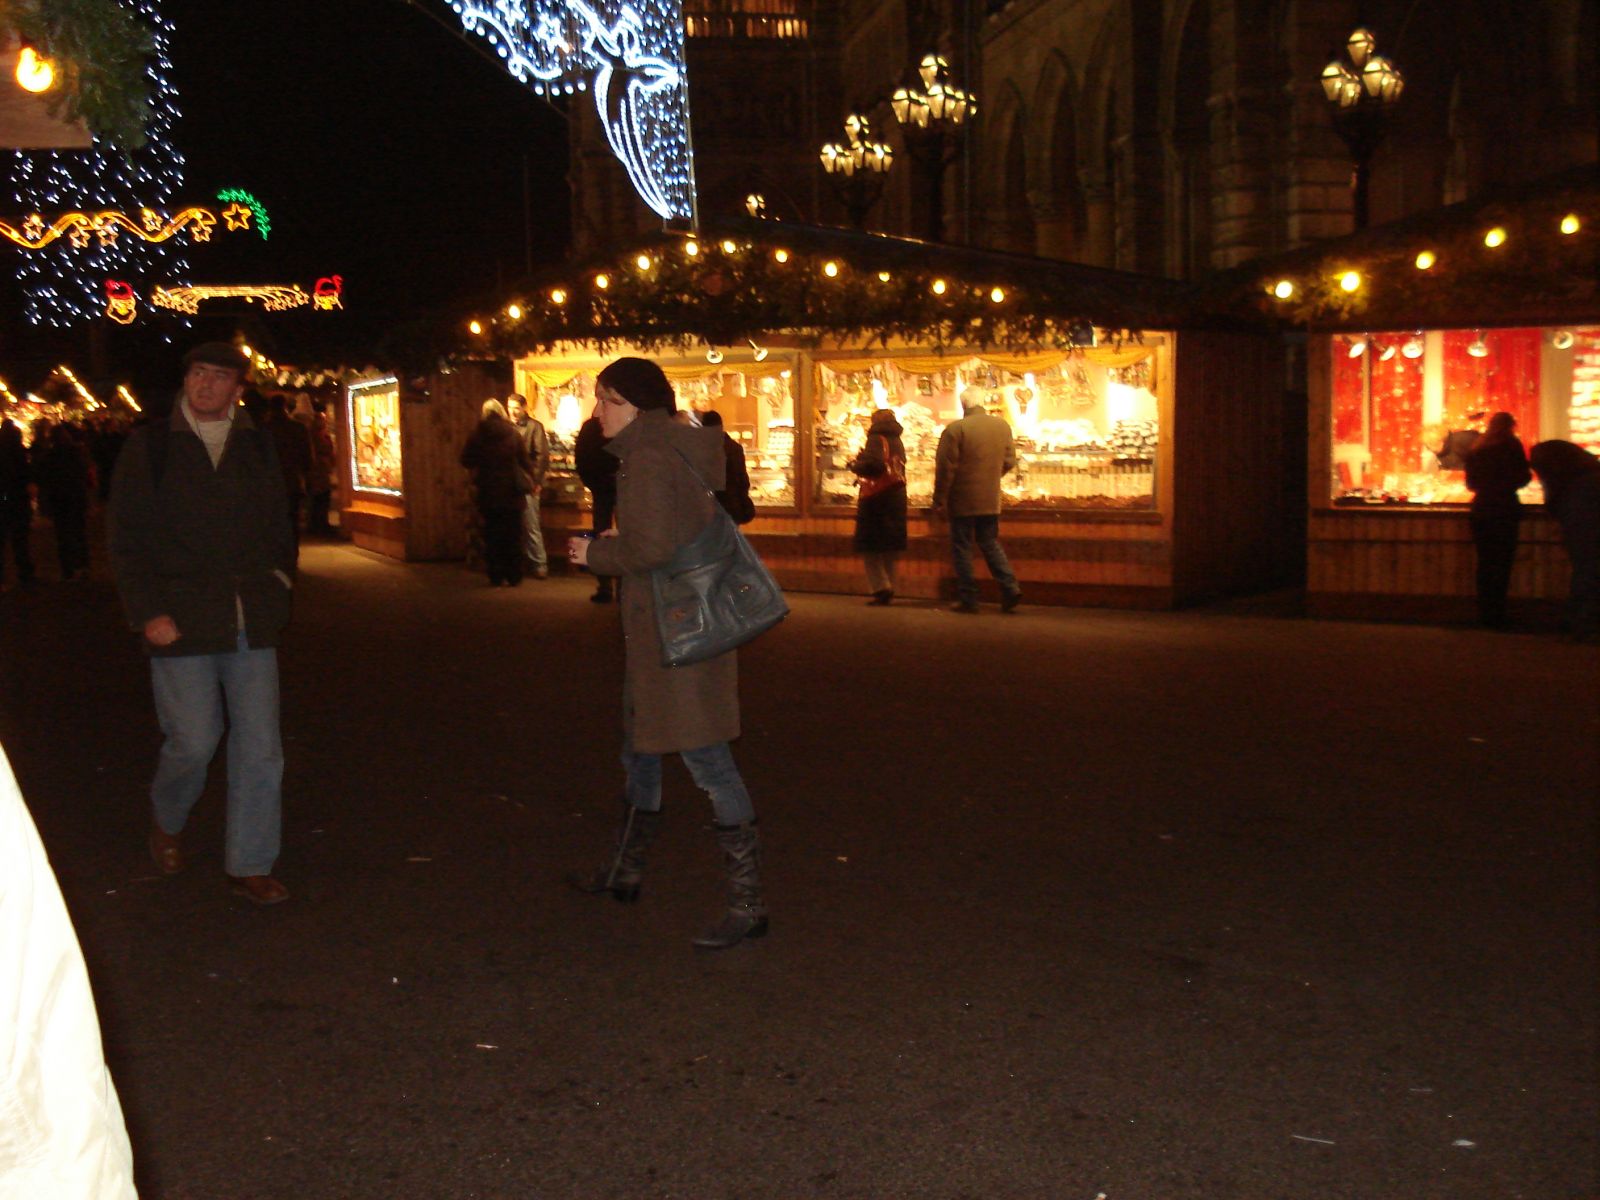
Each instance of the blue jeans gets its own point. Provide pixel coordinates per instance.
(987, 532)
(533, 534)
(189, 693)
(713, 769)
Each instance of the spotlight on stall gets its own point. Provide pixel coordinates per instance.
(1283, 289)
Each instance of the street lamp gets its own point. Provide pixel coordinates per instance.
(931, 117)
(856, 169)
(1363, 94)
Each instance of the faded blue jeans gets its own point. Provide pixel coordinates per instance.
(713, 769)
(189, 692)
(986, 531)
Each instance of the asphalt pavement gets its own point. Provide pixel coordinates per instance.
(1072, 903)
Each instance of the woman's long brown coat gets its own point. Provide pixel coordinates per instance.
(660, 507)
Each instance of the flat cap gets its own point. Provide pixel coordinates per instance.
(218, 354)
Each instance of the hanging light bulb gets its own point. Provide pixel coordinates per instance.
(713, 356)
(474, 327)
(691, 248)
(34, 74)
(1350, 281)
(1425, 260)
(1495, 238)
(1389, 352)
(760, 351)
(1570, 223)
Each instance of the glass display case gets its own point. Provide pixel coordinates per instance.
(1086, 431)
(1406, 404)
(375, 437)
(754, 399)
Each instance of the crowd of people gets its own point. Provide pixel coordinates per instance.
(62, 468)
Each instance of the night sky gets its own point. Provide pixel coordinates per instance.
(386, 148)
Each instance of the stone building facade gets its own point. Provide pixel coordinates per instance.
(1170, 137)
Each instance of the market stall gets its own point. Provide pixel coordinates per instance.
(402, 492)
(1150, 465)
(1419, 332)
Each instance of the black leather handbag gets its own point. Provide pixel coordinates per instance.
(715, 595)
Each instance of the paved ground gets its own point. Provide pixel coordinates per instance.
(1160, 906)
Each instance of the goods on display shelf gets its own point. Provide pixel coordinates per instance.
(1398, 396)
(375, 436)
(755, 401)
(1086, 434)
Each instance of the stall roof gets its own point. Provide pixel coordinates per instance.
(744, 279)
(1538, 274)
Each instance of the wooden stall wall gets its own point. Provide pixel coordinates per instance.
(1231, 479)
(434, 426)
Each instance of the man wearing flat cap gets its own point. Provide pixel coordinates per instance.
(204, 555)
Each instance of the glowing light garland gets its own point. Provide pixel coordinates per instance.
(238, 196)
(274, 297)
(65, 288)
(632, 63)
(106, 227)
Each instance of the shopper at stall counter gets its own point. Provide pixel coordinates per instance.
(204, 557)
(1497, 467)
(537, 446)
(502, 477)
(735, 494)
(974, 454)
(880, 536)
(598, 471)
(692, 711)
(1570, 476)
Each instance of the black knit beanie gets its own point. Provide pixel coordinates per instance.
(640, 382)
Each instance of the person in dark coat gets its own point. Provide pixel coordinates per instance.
(63, 475)
(292, 441)
(691, 711)
(503, 477)
(881, 505)
(735, 496)
(204, 557)
(1571, 479)
(1497, 467)
(598, 471)
(16, 505)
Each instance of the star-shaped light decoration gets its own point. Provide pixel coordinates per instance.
(237, 216)
(106, 232)
(33, 227)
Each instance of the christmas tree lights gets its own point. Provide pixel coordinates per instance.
(66, 286)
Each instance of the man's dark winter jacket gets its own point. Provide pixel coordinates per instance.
(207, 540)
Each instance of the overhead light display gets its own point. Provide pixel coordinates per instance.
(236, 197)
(633, 66)
(82, 229)
(66, 287)
(274, 297)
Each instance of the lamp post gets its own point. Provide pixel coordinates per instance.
(1363, 94)
(932, 117)
(856, 169)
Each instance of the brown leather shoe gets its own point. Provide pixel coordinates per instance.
(167, 849)
(259, 889)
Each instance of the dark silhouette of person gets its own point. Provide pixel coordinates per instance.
(292, 441)
(16, 504)
(1570, 476)
(503, 477)
(63, 475)
(1497, 467)
(598, 471)
(735, 497)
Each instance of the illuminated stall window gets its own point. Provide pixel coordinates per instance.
(375, 437)
(1086, 425)
(1405, 403)
(755, 399)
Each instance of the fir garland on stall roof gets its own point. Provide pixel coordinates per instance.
(99, 48)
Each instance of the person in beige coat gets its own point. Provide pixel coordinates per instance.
(663, 502)
(974, 454)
